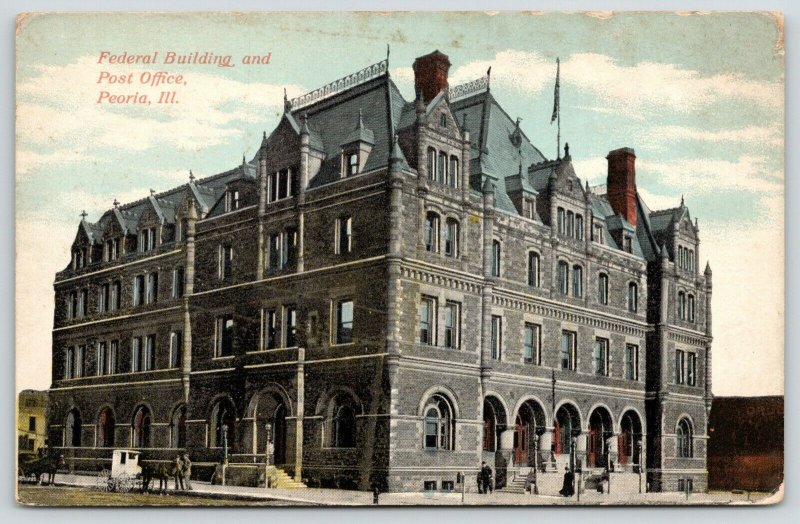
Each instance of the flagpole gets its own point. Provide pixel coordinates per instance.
(558, 133)
(557, 108)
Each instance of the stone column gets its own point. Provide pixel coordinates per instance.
(545, 457)
(298, 446)
(262, 208)
(188, 290)
(302, 183)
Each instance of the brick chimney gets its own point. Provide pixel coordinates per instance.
(430, 74)
(622, 183)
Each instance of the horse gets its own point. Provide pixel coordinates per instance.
(47, 465)
(161, 471)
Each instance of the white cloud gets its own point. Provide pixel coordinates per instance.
(28, 161)
(756, 135)
(747, 173)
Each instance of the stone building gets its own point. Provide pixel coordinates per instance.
(31, 421)
(391, 292)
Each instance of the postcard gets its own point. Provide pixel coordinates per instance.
(418, 258)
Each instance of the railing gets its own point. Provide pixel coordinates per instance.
(468, 89)
(337, 86)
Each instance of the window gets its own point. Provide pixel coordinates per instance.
(427, 321)
(601, 356)
(631, 362)
(563, 278)
(69, 363)
(113, 358)
(352, 164)
(441, 172)
(495, 258)
(290, 316)
(116, 292)
(231, 200)
(78, 259)
(282, 249)
(104, 298)
(225, 262)
(72, 305)
(111, 249)
(633, 297)
(343, 241)
(447, 485)
(138, 290)
(429, 485)
(279, 185)
(80, 361)
(577, 281)
(152, 288)
(32, 424)
(533, 269)
(344, 322)
(177, 282)
(224, 336)
(602, 288)
(561, 221)
(136, 354)
(597, 233)
(680, 360)
(289, 239)
(344, 426)
(681, 305)
(83, 302)
(431, 232)
(528, 209)
(452, 174)
(627, 244)
(690, 308)
(683, 435)
(568, 345)
(691, 369)
(570, 224)
(578, 227)
(443, 120)
(497, 337)
(175, 349)
(431, 163)
(438, 424)
(147, 239)
(102, 358)
(150, 353)
(452, 325)
(274, 258)
(531, 343)
(269, 329)
(451, 233)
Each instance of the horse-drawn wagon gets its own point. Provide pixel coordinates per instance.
(125, 473)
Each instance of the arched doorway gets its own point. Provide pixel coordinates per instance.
(529, 425)
(279, 427)
(567, 425)
(105, 428)
(142, 421)
(223, 425)
(600, 429)
(178, 427)
(494, 422)
(73, 428)
(630, 439)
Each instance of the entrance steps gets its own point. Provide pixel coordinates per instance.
(280, 479)
(551, 482)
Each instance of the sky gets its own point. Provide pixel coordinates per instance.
(700, 97)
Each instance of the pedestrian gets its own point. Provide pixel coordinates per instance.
(479, 478)
(177, 470)
(486, 478)
(568, 488)
(187, 470)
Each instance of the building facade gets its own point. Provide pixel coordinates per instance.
(391, 293)
(31, 421)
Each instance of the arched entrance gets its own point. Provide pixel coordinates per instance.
(223, 425)
(268, 409)
(566, 426)
(279, 428)
(529, 425)
(494, 422)
(630, 439)
(142, 420)
(178, 427)
(600, 429)
(105, 428)
(73, 428)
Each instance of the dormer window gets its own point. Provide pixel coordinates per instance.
(147, 239)
(78, 259)
(442, 120)
(111, 249)
(231, 200)
(528, 208)
(352, 163)
(597, 233)
(279, 185)
(627, 242)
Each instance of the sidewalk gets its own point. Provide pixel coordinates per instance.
(337, 497)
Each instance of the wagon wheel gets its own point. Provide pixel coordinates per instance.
(103, 479)
(124, 483)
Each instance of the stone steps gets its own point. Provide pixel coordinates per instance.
(280, 479)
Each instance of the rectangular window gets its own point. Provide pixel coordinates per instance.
(136, 354)
(533, 269)
(352, 164)
(451, 238)
(147, 240)
(32, 424)
(177, 282)
(497, 337)
(344, 322)
(563, 278)
(112, 249)
(274, 258)
(104, 298)
(602, 288)
(427, 321)
(531, 344)
(452, 325)
(691, 369)
(69, 363)
(72, 305)
(577, 281)
(224, 336)
(113, 357)
(633, 297)
(680, 361)
(138, 290)
(80, 361)
(570, 224)
(452, 175)
(579, 227)
(598, 234)
(102, 358)
(272, 187)
(495, 258)
(601, 357)
(343, 235)
(80, 310)
(289, 248)
(432, 232)
(231, 200)
(116, 293)
(568, 345)
(150, 353)
(225, 262)
(561, 221)
(175, 349)
(152, 288)
(270, 329)
(628, 244)
(631, 362)
(528, 209)
(441, 174)
(290, 317)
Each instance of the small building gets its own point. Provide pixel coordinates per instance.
(31, 420)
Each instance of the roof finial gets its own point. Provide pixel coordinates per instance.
(191, 176)
(287, 106)
(152, 191)
(83, 215)
(566, 151)
(264, 136)
(488, 78)
(387, 55)
(587, 186)
(116, 203)
(360, 120)
(681, 200)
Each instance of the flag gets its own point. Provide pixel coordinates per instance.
(556, 104)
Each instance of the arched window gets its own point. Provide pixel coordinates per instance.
(453, 174)
(533, 269)
(563, 278)
(431, 163)
(681, 305)
(570, 224)
(439, 424)
(633, 297)
(343, 427)
(431, 232)
(690, 308)
(602, 288)
(684, 439)
(142, 421)
(441, 174)
(451, 233)
(495, 258)
(73, 428)
(577, 281)
(223, 425)
(179, 427)
(105, 428)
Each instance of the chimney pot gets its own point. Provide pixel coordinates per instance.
(430, 74)
(622, 183)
